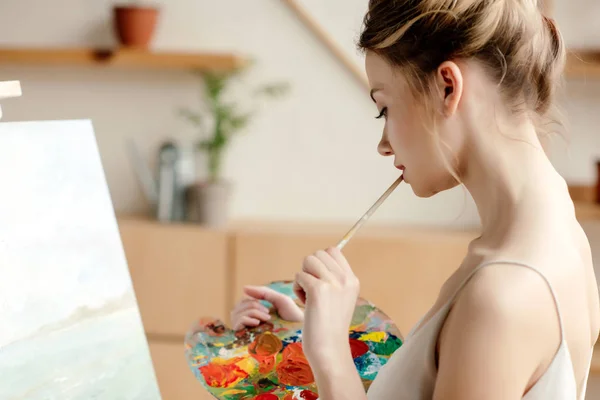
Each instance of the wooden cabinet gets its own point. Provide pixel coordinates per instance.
(179, 274)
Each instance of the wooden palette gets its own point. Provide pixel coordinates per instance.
(267, 362)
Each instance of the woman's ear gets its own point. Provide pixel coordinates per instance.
(449, 80)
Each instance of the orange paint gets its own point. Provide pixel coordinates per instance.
(294, 370)
(265, 364)
(223, 375)
(293, 350)
(265, 344)
(293, 373)
(358, 348)
(264, 349)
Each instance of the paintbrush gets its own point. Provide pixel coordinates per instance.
(299, 292)
(368, 214)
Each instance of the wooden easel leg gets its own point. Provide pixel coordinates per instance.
(326, 39)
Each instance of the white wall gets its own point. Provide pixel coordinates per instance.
(310, 156)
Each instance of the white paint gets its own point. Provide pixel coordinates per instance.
(309, 157)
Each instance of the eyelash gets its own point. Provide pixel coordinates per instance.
(383, 113)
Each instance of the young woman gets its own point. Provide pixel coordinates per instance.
(465, 88)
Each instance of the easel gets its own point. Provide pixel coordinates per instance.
(9, 89)
(328, 41)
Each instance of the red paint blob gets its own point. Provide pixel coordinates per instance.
(308, 395)
(358, 347)
(266, 396)
(222, 376)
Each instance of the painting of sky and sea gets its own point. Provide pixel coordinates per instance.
(70, 328)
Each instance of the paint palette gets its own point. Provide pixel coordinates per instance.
(267, 362)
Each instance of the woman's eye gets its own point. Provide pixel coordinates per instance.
(383, 113)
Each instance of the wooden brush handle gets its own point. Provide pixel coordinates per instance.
(297, 289)
(368, 214)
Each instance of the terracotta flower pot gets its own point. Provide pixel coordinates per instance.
(135, 25)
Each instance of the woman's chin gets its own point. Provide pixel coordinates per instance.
(423, 193)
(426, 191)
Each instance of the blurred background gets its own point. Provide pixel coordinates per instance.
(238, 136)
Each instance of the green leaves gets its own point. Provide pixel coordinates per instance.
(226, 118)
(229, 119)
(214, 85)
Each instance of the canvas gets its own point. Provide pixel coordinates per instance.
(268, 363)
(70, 327)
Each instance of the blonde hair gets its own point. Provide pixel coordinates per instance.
(522, 50)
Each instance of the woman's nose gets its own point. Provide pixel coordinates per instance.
(384, 148)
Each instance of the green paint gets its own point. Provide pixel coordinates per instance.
(386, 348)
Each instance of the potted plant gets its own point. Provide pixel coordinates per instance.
(218, 123)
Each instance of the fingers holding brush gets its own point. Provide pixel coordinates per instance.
(316, 266)
(329, 289)
(325, 266)
(331, 265)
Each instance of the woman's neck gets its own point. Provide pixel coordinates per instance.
(508, 173)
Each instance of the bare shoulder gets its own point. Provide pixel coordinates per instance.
(501, 329)
(509, 297)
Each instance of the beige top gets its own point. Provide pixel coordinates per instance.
(411, 371)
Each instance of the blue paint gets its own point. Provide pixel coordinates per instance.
(368, 365)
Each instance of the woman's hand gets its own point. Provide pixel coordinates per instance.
(250, 312)
(329, 289)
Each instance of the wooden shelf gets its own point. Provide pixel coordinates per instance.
(583, 64)
(121, 58)
(580, 64)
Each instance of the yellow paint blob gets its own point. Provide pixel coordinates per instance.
(233, 391)
(248, 365)
(374, 337)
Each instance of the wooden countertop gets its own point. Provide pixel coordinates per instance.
(585, 211)
(371, 229)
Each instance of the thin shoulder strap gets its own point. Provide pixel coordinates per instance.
(519, 264)
(587, 376)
